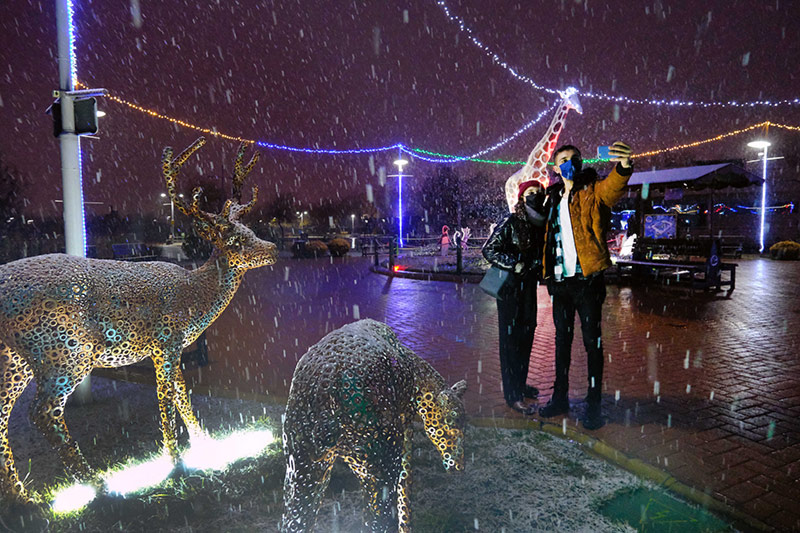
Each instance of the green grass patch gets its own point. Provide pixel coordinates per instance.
(656, 511)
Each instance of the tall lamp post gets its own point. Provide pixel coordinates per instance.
(762, 145)
(400, 162)
(69, 128)
(301, 214)
(171, 216)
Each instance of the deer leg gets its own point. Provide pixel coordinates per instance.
(165, 387)
(305, 483)
(379, 485)
(15, 377)
(47, 413)
(184, 405)
(404, 484)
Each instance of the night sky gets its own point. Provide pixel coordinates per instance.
(355, 74)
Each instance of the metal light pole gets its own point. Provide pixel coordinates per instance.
(171, 216)
(74, 225)
(400, 162)
(762, 145)
(72, 188)
(352, 224)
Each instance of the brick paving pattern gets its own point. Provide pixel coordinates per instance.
(704, 387)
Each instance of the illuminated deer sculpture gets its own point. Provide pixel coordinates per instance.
(61, 316)
(355, 395)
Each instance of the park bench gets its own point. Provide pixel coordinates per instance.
(675, 260)
(133, 251)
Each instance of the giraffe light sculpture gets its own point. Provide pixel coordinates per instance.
(536, 166)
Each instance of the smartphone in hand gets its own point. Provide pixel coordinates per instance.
(603, 152)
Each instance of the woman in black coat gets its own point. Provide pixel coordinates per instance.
(516, 245)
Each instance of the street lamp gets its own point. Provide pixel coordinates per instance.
(301, 214)
(400, 162)
(762, 145)
(352, 224)
(171, 216)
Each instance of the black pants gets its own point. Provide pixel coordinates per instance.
(516, 314)
(586, 296)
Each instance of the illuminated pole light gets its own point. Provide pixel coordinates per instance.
(400, 162)
(762, 145)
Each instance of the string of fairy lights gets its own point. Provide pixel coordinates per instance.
(463, 27)
(428, 155)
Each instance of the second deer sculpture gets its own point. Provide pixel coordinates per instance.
(61, 316)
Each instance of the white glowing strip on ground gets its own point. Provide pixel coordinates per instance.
(210, 454)
(138, 477)
(73, 498)
(205, 453)
(602, 96)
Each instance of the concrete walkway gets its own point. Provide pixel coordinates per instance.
(706, 388)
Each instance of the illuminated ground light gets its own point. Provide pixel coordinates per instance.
(398, 268)
(140, 476)
(73, 498)
(209, 454)
(205, 454)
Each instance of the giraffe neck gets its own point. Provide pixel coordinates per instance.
(547, 144)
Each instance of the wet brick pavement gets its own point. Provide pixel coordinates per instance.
(704, 387)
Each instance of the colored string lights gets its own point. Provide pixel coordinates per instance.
(264, 144)
(428, 155)
(719, 137)
(462, 25)
(445, 158)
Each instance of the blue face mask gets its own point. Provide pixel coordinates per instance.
(571, 167)
(567, 170)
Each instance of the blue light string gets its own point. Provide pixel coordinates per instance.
(73, 62)
(505, 141)
(601, 96)
(329, 151)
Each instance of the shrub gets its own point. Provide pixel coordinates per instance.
(785, 250)
(316, 249)
(338, 247)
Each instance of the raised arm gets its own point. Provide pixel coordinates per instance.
(611, 189)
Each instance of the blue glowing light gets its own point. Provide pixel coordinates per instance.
(327, 150)
(73, 63)
(508, 139)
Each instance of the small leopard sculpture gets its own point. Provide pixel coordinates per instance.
(354, 395)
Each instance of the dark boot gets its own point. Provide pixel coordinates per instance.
(530, 392)
(593, 417)
(558, 405)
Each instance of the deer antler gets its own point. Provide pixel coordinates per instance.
(233, 208)
(170, 168)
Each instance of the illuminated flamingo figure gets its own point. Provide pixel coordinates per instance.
(536, 166)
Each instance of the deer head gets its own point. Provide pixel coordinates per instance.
(232, 238)
(444, 421)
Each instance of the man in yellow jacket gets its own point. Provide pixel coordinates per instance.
(575, 256)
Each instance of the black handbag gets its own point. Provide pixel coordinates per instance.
(497, 282)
